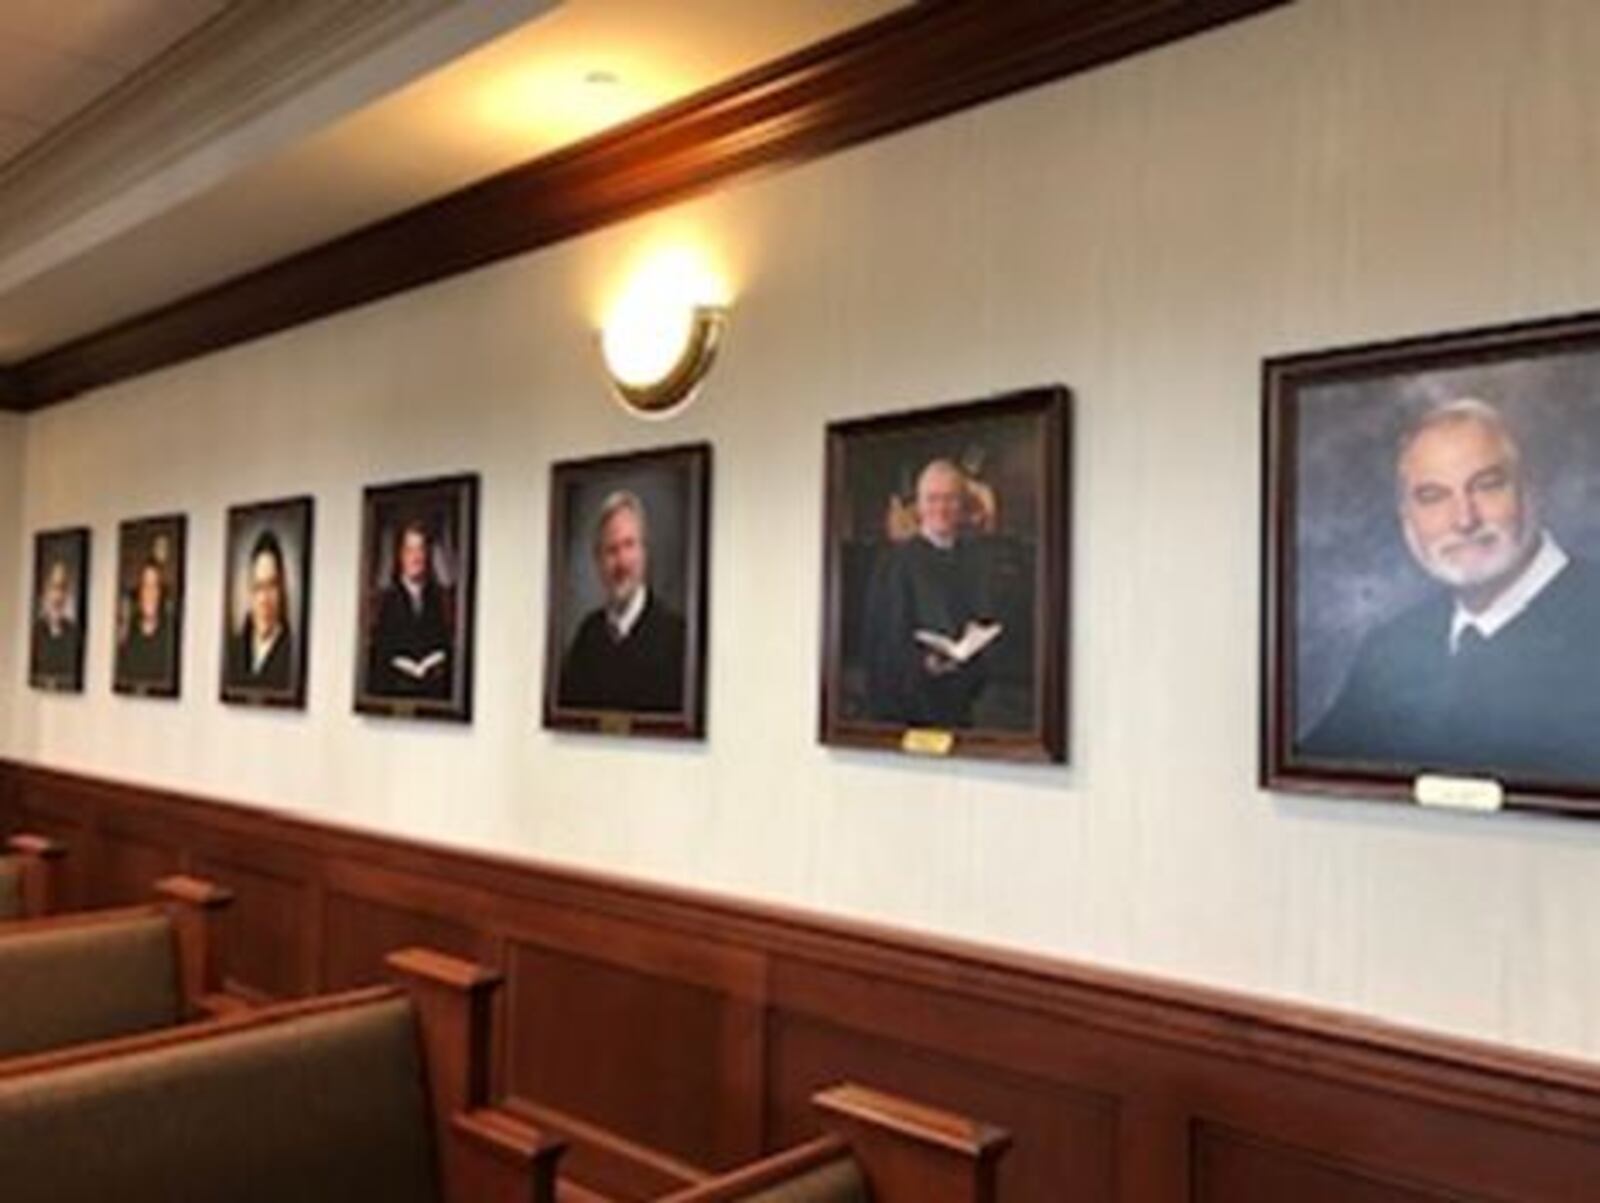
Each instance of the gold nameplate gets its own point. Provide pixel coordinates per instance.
(616, 724)
(1483, 795)
(928, 741)
(404, 710)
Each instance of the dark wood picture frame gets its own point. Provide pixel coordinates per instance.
(1042, 594)
(138, 539)
(438, 503)
(59, 669)
(294, 546)
(1428, 373)
(689, 467)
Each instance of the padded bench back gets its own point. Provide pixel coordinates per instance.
(836, 1182)
(10, 888)
(70, 983)
(328, 1107)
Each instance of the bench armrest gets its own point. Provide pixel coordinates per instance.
(196, 908)
(765, 1174)
(503, 1159)
(911, 1153)
(41, 872)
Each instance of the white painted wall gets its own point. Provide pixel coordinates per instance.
(1340, 171)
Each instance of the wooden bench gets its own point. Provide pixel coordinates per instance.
(876, 1148)
(376, 1095)
(94, 975)
(28, 872)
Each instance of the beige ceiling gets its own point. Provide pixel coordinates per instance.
(570, 72)
(58, 56)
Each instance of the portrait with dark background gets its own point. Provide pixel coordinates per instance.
(59, 612)
(150, 599)
(418, 663)
(1012, 454)
(1339, 566)
(281, 679)
(672, 486)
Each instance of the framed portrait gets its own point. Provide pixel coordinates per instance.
(60, 611)
(266, 603)
(150, 597)
(946, 579)
(419, 565)
(626, 622)
(1432, 568)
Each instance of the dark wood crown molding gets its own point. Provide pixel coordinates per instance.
(917, 64)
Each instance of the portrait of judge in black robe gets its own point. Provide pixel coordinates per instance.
(1496, 669)
(629, 653)
(931, 625)
(413, 636)
(56, 648)
(261, 650)
(147, 648)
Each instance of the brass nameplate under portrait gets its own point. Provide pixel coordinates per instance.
(403, 709)
(1483, 795)
(616, 723)
(928, 741)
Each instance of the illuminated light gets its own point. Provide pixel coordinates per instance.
(662, 335)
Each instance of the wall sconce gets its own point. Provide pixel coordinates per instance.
(658, 344)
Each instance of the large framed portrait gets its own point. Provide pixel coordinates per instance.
(419, 564)
(150, 598)
(266, 603)
(1432, 549)
(60, 611)
(626, 621)
(946, 584)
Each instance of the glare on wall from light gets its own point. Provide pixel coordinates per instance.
(559, 102)
(662, 331)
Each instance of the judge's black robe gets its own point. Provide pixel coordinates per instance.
(640, 673)
(1524, 702)
(275, 669)
(917, 586)
(54, 654)
(414, 633)
(148, 660)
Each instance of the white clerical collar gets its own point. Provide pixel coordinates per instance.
(261, 648)
(1545, 566)
(622, 623)
(942, 542)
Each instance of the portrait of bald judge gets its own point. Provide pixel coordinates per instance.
(629, 652)
(1497, 671)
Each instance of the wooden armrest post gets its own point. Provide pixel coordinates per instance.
(196, 907)
(914, 1154)
(41, 885)
(485, 1156)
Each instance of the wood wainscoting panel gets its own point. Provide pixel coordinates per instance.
(1230, 1167)
(1066, 1139)
(265, 947)
(668, 1032)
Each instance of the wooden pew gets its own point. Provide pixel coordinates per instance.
(29, 873)
(876, 1148)
(377, 1094)
(94, 975)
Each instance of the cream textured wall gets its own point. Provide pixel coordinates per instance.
(1340, 171)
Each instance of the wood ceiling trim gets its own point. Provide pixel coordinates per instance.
(912, 66)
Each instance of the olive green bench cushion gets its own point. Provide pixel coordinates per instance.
(70, 984)
(10, 888)
(836, 1182)
(322, 1108)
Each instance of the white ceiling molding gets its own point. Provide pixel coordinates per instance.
(261, 76)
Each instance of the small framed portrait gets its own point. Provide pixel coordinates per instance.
(150, 594)
(266, 603)
(945, 609)
(60, 610)
(626, 634)
(1432, 550)
(419, 565)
